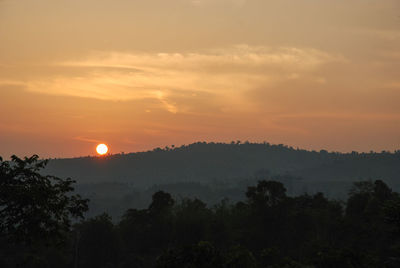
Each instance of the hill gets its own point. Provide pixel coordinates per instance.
(214, 171)
(207, 162)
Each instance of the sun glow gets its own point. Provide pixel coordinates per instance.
(102, 149)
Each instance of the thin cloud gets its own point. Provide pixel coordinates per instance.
(225, 73)
(85, 139)
(7, 82)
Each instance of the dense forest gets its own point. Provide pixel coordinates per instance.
(268, 229)
(212, 171)
(222, 162)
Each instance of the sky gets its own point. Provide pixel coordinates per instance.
(134, 74)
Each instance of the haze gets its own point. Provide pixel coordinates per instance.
(141, 74)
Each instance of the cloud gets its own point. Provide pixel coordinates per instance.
(225, 73)
(169, 106)
(85, 139)
(236, 57)
(8, 82)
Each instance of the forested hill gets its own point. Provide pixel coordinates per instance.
(221, 162)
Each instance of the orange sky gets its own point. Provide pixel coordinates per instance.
(140, 74)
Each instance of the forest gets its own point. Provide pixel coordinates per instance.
(226, 163)
(42, 224)
(213, 171)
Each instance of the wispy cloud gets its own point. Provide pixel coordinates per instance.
(225, 73)
(85, 139)
(8, 82)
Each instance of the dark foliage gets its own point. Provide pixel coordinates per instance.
(35, 210)
(268, 229)
(212, 171)
(206, 163)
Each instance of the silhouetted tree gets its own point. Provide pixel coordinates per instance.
(97, 243)
(161, 202)
(238, 257)
(192, 221)
(200, 255)
(266, 194)
(270, 229)
(35, 210)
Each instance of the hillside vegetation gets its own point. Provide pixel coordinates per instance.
(210, 162)
(215, 171)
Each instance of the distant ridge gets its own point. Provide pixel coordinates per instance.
(208, 162)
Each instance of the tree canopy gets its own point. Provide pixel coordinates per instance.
(35, 207)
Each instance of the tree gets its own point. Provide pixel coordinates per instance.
(266, 194)
(161, 202)
(239, 257)
(192, 219)
(34, 207)
(200, 255)
(97, 245)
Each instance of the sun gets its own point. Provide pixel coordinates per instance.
(102, 149)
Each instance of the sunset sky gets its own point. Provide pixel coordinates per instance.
(138, 74)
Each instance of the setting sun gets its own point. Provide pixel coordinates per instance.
(102, 149)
